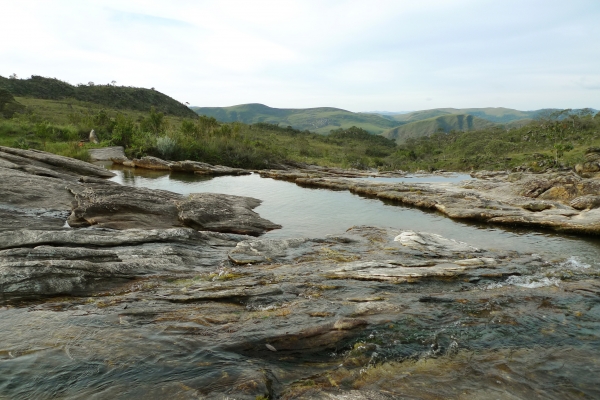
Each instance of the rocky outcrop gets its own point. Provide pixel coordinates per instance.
(315, 171)
(50, 188)
(42, 263)
(561, 201)
(109, 205)
(591, 167)
(223, 213)
(65, 165)
(195, 167)
(149, 162)
(116, 153)
(352, 301)
(228, 315)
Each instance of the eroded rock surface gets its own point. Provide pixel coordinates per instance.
(51, 161)
(108, 154)
(39, 190)
(367, 313)
(195, 167)
(289, 318)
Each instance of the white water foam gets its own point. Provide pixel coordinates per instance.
(573, 263)
(532, 282)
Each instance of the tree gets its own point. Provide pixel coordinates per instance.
(560, 149)
(154, 122)
(13, 76)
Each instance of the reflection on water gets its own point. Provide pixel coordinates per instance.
(308, 212)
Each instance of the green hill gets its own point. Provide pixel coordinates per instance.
(117, 97)
(321, 120)
(499, 115)
(445, 123)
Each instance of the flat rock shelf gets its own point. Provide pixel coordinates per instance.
(112, 291)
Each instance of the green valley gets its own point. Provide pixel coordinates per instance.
(320, 120)
(51, 115)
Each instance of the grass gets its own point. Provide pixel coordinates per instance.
(59, 126)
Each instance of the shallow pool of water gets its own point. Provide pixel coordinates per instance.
(308, 212)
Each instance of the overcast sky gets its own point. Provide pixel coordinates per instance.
(358, 55)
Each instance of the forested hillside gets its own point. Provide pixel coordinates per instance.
(109, 95)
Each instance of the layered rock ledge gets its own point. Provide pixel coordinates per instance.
(134, 289)
(40, 190)
(561, 201)
(195, 167)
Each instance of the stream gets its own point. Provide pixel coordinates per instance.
(534, 335)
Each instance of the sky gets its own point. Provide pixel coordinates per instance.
(386, 55)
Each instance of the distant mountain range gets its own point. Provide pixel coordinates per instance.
(321, 120)
(394, 125)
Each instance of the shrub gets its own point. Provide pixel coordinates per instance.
(166, 147)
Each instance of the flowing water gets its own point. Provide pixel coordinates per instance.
(515, 337)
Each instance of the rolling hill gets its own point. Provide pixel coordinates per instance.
(499, 115)
(320, 120)
(117, 97)
(446, 123)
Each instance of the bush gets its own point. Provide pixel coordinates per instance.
(166, 147)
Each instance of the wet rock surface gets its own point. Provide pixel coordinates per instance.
(196, 167)
(368, 313)
(135, 302)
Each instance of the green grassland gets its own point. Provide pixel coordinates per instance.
(60, 126)
(444, 123)
(320, 120)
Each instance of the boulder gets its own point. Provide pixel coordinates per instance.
(65, 164)
(150, 162)
(223, 213)
(586, 202)
(115, 154)
(201, 168)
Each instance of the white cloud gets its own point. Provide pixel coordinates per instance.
(356, 55)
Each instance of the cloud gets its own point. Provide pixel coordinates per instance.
(351, 54)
